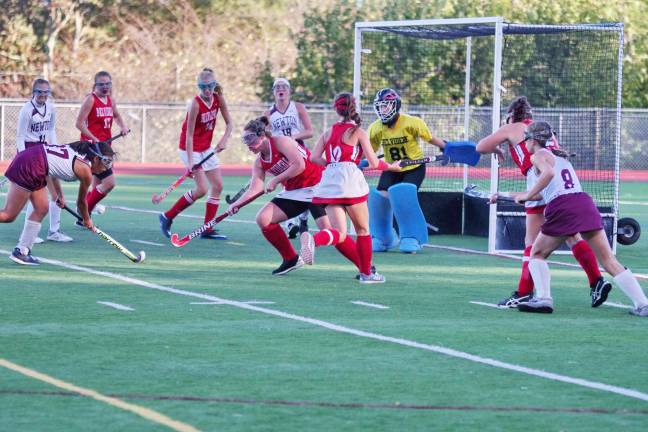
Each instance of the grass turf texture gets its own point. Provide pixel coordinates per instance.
(247, 370)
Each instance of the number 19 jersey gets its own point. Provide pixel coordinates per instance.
(401, 140)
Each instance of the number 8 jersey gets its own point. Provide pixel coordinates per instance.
(563, 182)
(401, 140)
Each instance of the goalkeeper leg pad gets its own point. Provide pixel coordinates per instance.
(411, 222)
(381, 222)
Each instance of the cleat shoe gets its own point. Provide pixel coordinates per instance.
(99, 209)
(373, 278)
(38, 240)
(165, 225)
(600, 291)
(514, 300)
(537, 305)
(373, 270)
(293, 230)
(303, 225)
(307, 248)
(25, 259)
(641, 311)
(58, 236)
(213, 235)
(288, 266)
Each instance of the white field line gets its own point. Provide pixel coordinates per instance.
(514, 257)
(493, 305)
(371, 305)
(234, 243)
(252, 302)
(116, 306)
(639, 203)
(631, 393)
(228, 219)
(617, 305)
(147, 242)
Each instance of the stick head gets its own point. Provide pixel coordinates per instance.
(141, 257)
(155, 199)
(177, 241)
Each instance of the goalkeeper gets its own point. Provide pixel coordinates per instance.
(396, 193)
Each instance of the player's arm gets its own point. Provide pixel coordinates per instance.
(290, 149)
(306, 122)
(544, 163)
(52, 132)
(257, 183)
(82, 118)
(84, 173)
(317, 155)
(361, 137)
(491, 143)
(192, 115)
(22, 128)
(119, 119)
(229, 126)
(56, 184)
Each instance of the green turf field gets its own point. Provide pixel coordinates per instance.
(305, 358)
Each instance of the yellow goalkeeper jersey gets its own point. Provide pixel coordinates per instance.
(401, 140)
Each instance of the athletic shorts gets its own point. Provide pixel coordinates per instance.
(294, 208)
(210, 164)
(390, 178)
(104, 174)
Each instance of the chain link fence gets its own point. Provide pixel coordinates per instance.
(155, 130)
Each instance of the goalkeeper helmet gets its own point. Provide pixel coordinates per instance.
(540, 131)
(387, 105)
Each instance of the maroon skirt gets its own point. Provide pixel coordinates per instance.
(570, 214)
(29, 169)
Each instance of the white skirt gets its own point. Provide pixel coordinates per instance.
(210, 164)
(342, 180)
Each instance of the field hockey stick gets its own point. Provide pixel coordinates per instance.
(157, 198)
(471, 190)
(238, 194)
(407, 162)
(180, 242)
(121, 248)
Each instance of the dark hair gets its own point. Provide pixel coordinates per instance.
(219, 88)
(101, 74)
(519, 109)
(39, 81)
(84, 148)
(258, 126)
(345, 106)
(542, 132)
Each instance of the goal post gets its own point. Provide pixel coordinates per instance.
(460, 74)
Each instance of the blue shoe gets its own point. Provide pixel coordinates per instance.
(24, 259)
(213, 235)
(165, 225)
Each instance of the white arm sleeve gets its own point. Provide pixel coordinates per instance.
(23, 126)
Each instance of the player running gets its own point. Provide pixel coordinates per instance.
(37, 125)
(568, 211)
(28, 175)
(95, 120)
(289, 118)
(195, 142)
(288, 162)
(343, 188)
(512, 133)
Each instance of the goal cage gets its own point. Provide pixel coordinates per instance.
(459, 75)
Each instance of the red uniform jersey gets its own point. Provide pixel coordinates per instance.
(337, 150)
(100, 119)
(204, 127)
(521, 155)
(278, 163)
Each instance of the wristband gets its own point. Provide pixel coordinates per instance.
(382, 165)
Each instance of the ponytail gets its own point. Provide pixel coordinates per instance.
(258, 126)
(518, 110)
(345, 106)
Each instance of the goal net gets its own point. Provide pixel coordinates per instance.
(459, 75)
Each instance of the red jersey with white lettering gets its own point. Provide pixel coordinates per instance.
(204, 126)
(337, 150)
(278, 163)
(521, 155)
(100, 118)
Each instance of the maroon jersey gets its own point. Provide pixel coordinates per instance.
(278, 163)
(100, 118)
(337, 150)
(204, 126)
(521, 155)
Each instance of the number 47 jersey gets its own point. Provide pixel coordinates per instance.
(60, 161)
(400, 141)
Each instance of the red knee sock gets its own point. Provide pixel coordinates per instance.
(327, 237)
(278, 238)
(348, 248)
(525, 286)
(93, 197)
(211, 207)
(363, 245)
(587, 259)
(185, 201)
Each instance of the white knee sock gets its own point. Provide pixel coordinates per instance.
(541, 277)
(54, 217)
(28, 210)
(29, 233)
(629, 285)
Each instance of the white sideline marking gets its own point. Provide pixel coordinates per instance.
(364, 334)
(514, 257)
(617, 305)
(116, 306)
(639, 203)
(221, 303)
(493, 305)
(180, 215)
(235, 243)
(147, 242)
(371, 305)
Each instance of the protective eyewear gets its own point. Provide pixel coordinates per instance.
(281, 87)
(209, 85)
(105, 160)
(249, 138)
(103, 84)
(42, 92)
